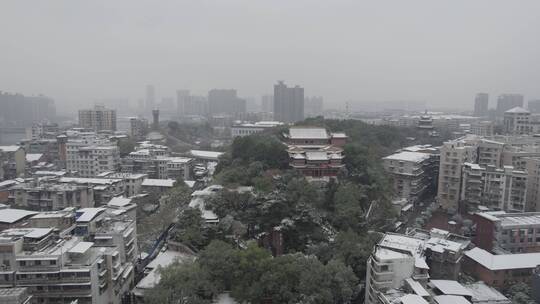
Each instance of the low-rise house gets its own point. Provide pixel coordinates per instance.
(501, 270)
(125, 204)
(62, 221)
(11, 218)
(157, 185)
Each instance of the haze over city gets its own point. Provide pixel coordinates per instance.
(441, 53)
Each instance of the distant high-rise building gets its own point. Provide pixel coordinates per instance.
(99, 118)
(313, 106)
(481, 104)
(182, 99)
(225, 102)
(288, 103)
(155, 120)
(150, 100)
(267, 103)
(138, 127)
(534, 106)
(20, 110)
(506, 102)
(196, 105)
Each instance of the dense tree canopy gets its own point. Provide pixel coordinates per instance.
(253, 275)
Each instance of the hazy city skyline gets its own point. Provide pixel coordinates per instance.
(438, 53)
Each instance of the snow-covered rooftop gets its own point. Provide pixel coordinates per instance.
(152, 182)
(81, 247)
(519, 110)
(486, 294)
(416, 157)
(308, 133)
(11, 216)
(205, 154)
(32, 157)
(12, 148)
(163, 259)
(412, 299)
(119, 201)
(450, 299)
(88, 180)
(450, 287)
(417, 287)
(503, 261)
(88, 214)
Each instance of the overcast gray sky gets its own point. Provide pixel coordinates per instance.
(442, 52)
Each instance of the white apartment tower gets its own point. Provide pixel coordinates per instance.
(453, 155)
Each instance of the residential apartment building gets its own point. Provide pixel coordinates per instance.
(89, 160)
(494, 188)
(155, 163)
(412, 173)
(12, 162)
(532, 168)
(98, 119)
(104, 188)
(419, 255)
(61, 270)
(47, 196)
(490, 153)
(133, 181)
(511, 232)
(517, 121)
(453, 155)
(138, 127)
(482, 128)
(109, 227)
(288, 103)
